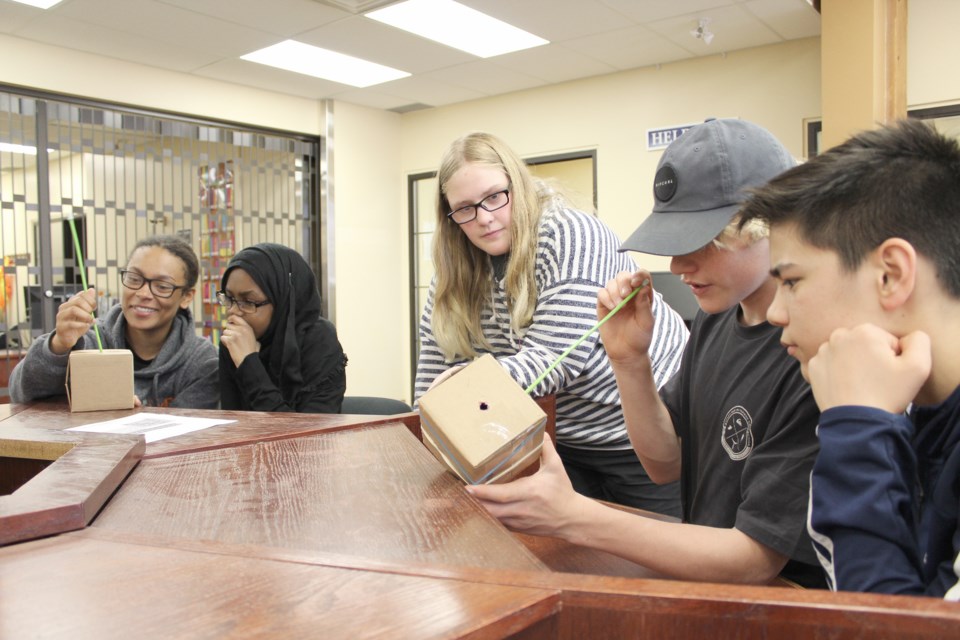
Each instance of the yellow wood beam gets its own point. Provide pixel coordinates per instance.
(863, 65)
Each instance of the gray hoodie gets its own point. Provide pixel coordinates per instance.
(184, 373)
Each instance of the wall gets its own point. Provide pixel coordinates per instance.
(932, 52)
(372, 281)
(775, 86)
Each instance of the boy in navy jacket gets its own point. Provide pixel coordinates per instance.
(865, 246)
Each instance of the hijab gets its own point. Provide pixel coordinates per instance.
(288, 282)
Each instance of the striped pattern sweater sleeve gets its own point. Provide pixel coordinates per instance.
(577, 254)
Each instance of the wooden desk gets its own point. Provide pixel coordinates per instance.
(341, 527)
(56, 481)
(296, 454)
(374, 492)
(83, 586)
(249, 426)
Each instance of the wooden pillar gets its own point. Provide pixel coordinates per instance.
(863, 46)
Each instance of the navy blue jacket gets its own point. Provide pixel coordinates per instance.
(884, 499)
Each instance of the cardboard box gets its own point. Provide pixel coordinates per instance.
(481, 424)
(100, 380)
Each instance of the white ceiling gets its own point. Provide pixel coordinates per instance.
(587, 38)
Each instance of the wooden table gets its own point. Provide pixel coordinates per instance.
(344, 526)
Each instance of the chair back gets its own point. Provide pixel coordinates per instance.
(372, 405)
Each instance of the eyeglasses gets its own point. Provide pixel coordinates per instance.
(492, 202)
(159, 288)
(245, 306)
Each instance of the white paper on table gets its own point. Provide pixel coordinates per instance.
(153, 426)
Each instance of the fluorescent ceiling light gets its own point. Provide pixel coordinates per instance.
(40, 4)
(323, 63)
(18, 148)
(457, 26)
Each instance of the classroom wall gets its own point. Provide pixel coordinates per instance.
(932, 53)
(371, 231)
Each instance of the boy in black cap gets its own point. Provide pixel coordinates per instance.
(864, 245)
(735, 424)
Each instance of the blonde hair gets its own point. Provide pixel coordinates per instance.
(752, 231)
(463, 272)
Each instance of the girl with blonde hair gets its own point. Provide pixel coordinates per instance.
(517, 270)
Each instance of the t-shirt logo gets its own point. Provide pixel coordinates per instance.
(737, 437)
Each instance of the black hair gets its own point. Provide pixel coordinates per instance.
(178, 247)
(897, 181)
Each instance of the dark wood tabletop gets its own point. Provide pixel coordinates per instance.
(78, 586)
(373, 492)
(56, 481)
(345, 526)
(244, 426)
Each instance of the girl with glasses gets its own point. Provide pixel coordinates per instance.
(517, 275)
(277, 353)
(173, 366)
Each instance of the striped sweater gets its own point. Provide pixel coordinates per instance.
(577, 255)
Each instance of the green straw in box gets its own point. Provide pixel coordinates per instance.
(533, 385)
(83, 274)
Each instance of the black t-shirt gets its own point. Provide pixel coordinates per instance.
(499, 265)
(747, 422)
(139, 363)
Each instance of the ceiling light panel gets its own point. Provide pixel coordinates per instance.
(18, 148)
(40, 4)
(323, 63)
(457, 26)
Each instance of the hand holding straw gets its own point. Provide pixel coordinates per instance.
(533, 385)
(83, 274)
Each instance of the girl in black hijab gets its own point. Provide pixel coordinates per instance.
(276, 352)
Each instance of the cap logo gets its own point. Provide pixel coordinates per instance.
(665, 183)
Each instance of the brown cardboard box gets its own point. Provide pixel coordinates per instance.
(481, 424)
(100, 380)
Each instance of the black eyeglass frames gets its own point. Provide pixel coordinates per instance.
(492, 202)
(245, 306)
(159, 288)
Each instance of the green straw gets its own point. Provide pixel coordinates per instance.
(576, 344)
(83, 274)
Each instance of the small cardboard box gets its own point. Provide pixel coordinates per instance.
(481, 424)
(100, 380)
